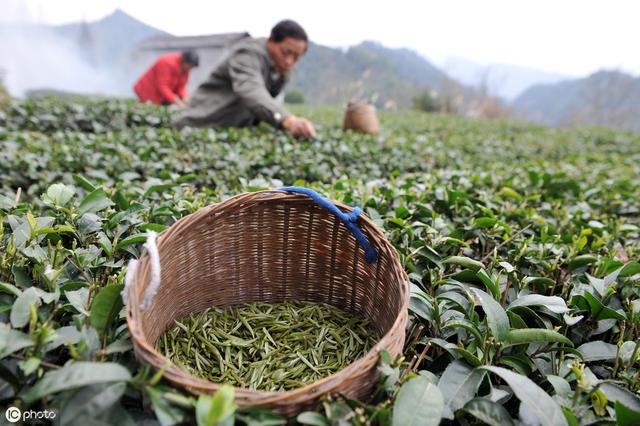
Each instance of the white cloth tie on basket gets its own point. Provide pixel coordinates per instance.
(154, 283)
(128, 279)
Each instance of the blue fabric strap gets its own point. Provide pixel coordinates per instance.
(349, 219)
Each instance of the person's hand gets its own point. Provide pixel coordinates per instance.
(180, 103)
(299, 127)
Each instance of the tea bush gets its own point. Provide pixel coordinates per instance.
(521, 243)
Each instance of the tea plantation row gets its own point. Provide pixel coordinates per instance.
(521, 242)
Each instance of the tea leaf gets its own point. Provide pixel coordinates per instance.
(91, 401)
(217, 409)
(530, 335)
(94, 202)
(313, 419)
(496, 316)
(598, 350)
(74, 375)
(166, 413)
(625, 416)
(105, 307)
(621, 395)
(21, 310)
(59, 194)
(418, 403)
(465, 262)
(553, 303)
(12, 340)
(546, 410)
(489, 412)
(458, 385)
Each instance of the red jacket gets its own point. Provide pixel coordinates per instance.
(163, 81)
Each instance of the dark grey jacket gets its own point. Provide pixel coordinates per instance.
(240, 92)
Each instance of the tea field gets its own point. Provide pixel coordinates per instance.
(521, 243)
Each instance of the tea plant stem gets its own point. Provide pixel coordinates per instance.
(421, 357)
(505, 242)
(619, 345)
(43, 363)
(633, 357)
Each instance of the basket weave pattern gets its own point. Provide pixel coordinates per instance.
(271, 246)
(361, 117)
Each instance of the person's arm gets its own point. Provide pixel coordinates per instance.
(181, 99)
(163, 80)
(248, 83)
(182, 90)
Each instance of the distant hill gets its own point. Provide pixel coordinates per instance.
(605, 98)
(503, 80)
(107, 42)
(392, 77)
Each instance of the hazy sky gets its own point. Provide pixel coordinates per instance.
(574, 37)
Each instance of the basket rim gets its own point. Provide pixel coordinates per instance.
(199, 385)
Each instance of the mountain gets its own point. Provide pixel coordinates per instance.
(605, 98)
(391, 77)
(107, 42)
(503, 80)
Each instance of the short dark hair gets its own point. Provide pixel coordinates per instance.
(288, 28)
(190, 57)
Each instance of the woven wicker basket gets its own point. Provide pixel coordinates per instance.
(360, 116)
(271, 246)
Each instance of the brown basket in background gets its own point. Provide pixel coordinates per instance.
(271, 246)
(360, 116)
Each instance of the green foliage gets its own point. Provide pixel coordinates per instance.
(425, 101)
(83, 115)
(5, 98)
(217, 409)
(419, 402)
(75, 375)
(294, 97)
(521, 244)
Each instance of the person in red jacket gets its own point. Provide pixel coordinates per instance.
(164, 82)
